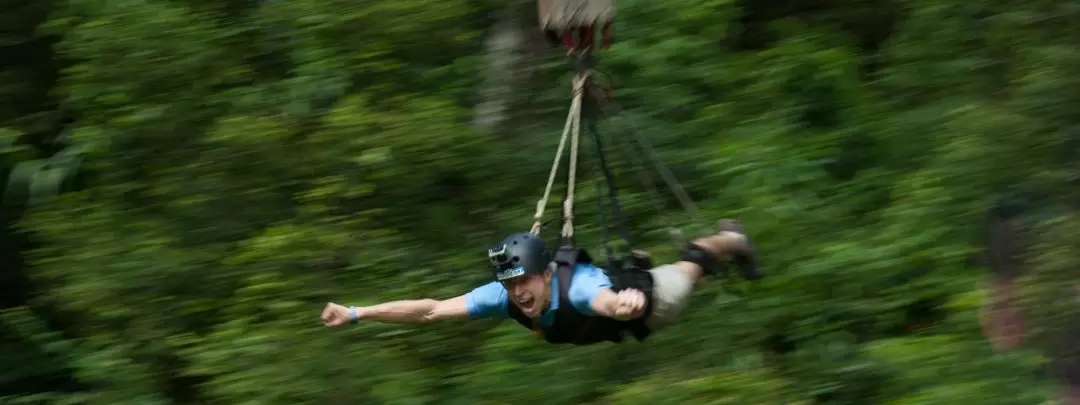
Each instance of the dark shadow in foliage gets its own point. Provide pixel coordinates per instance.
(871, 23)
(857, 152)
(854, 382)
(920, 315)
(819, 100)
(34, 370)
(32, 106)
(778, 340)
(181, 388)
(15, 285)
(627, 364)
(35, 112)
(847, 379)
(1065, 362)
(37, 371)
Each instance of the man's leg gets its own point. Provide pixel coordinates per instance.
(673, 284)
(672, 288)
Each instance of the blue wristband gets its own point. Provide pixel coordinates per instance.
(353, 316)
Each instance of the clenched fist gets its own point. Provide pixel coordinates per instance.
(335, 315)
(630, 304)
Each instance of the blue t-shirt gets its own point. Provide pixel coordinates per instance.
(491, 300)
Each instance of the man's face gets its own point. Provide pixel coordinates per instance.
(530, 292)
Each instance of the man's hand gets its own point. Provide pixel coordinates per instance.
(630, 304)
(335, 315)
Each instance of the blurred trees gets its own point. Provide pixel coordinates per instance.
(188, 182)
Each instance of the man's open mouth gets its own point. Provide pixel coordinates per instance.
(526, 303)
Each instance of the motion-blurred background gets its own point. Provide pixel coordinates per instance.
(188, 182)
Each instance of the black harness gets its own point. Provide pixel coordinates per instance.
(573, 327)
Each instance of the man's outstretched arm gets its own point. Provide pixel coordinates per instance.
(406, 311)
(591, 294)
(623, 305)
(486, 301)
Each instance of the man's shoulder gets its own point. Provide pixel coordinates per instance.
(492, 289)
(488, 300)
(588, 277)
(588, 281)
(587, 267)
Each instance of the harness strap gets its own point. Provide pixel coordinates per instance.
(650, 189)
(665, 173)
(567, 258)
(645, 151)
(605, 237)
(617, 215)
(566, 274)
(597, 97)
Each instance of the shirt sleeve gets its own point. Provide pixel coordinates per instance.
(487, 301)
(588, 281)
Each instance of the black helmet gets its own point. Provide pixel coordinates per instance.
(519, 254)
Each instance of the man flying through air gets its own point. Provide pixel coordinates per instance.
(572, 301)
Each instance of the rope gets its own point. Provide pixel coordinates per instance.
(568, 206)
(570, 130)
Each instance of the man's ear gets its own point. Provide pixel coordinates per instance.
(547, 274)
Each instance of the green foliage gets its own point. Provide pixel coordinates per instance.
(246, 162)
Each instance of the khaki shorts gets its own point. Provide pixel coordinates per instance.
(672, 290)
